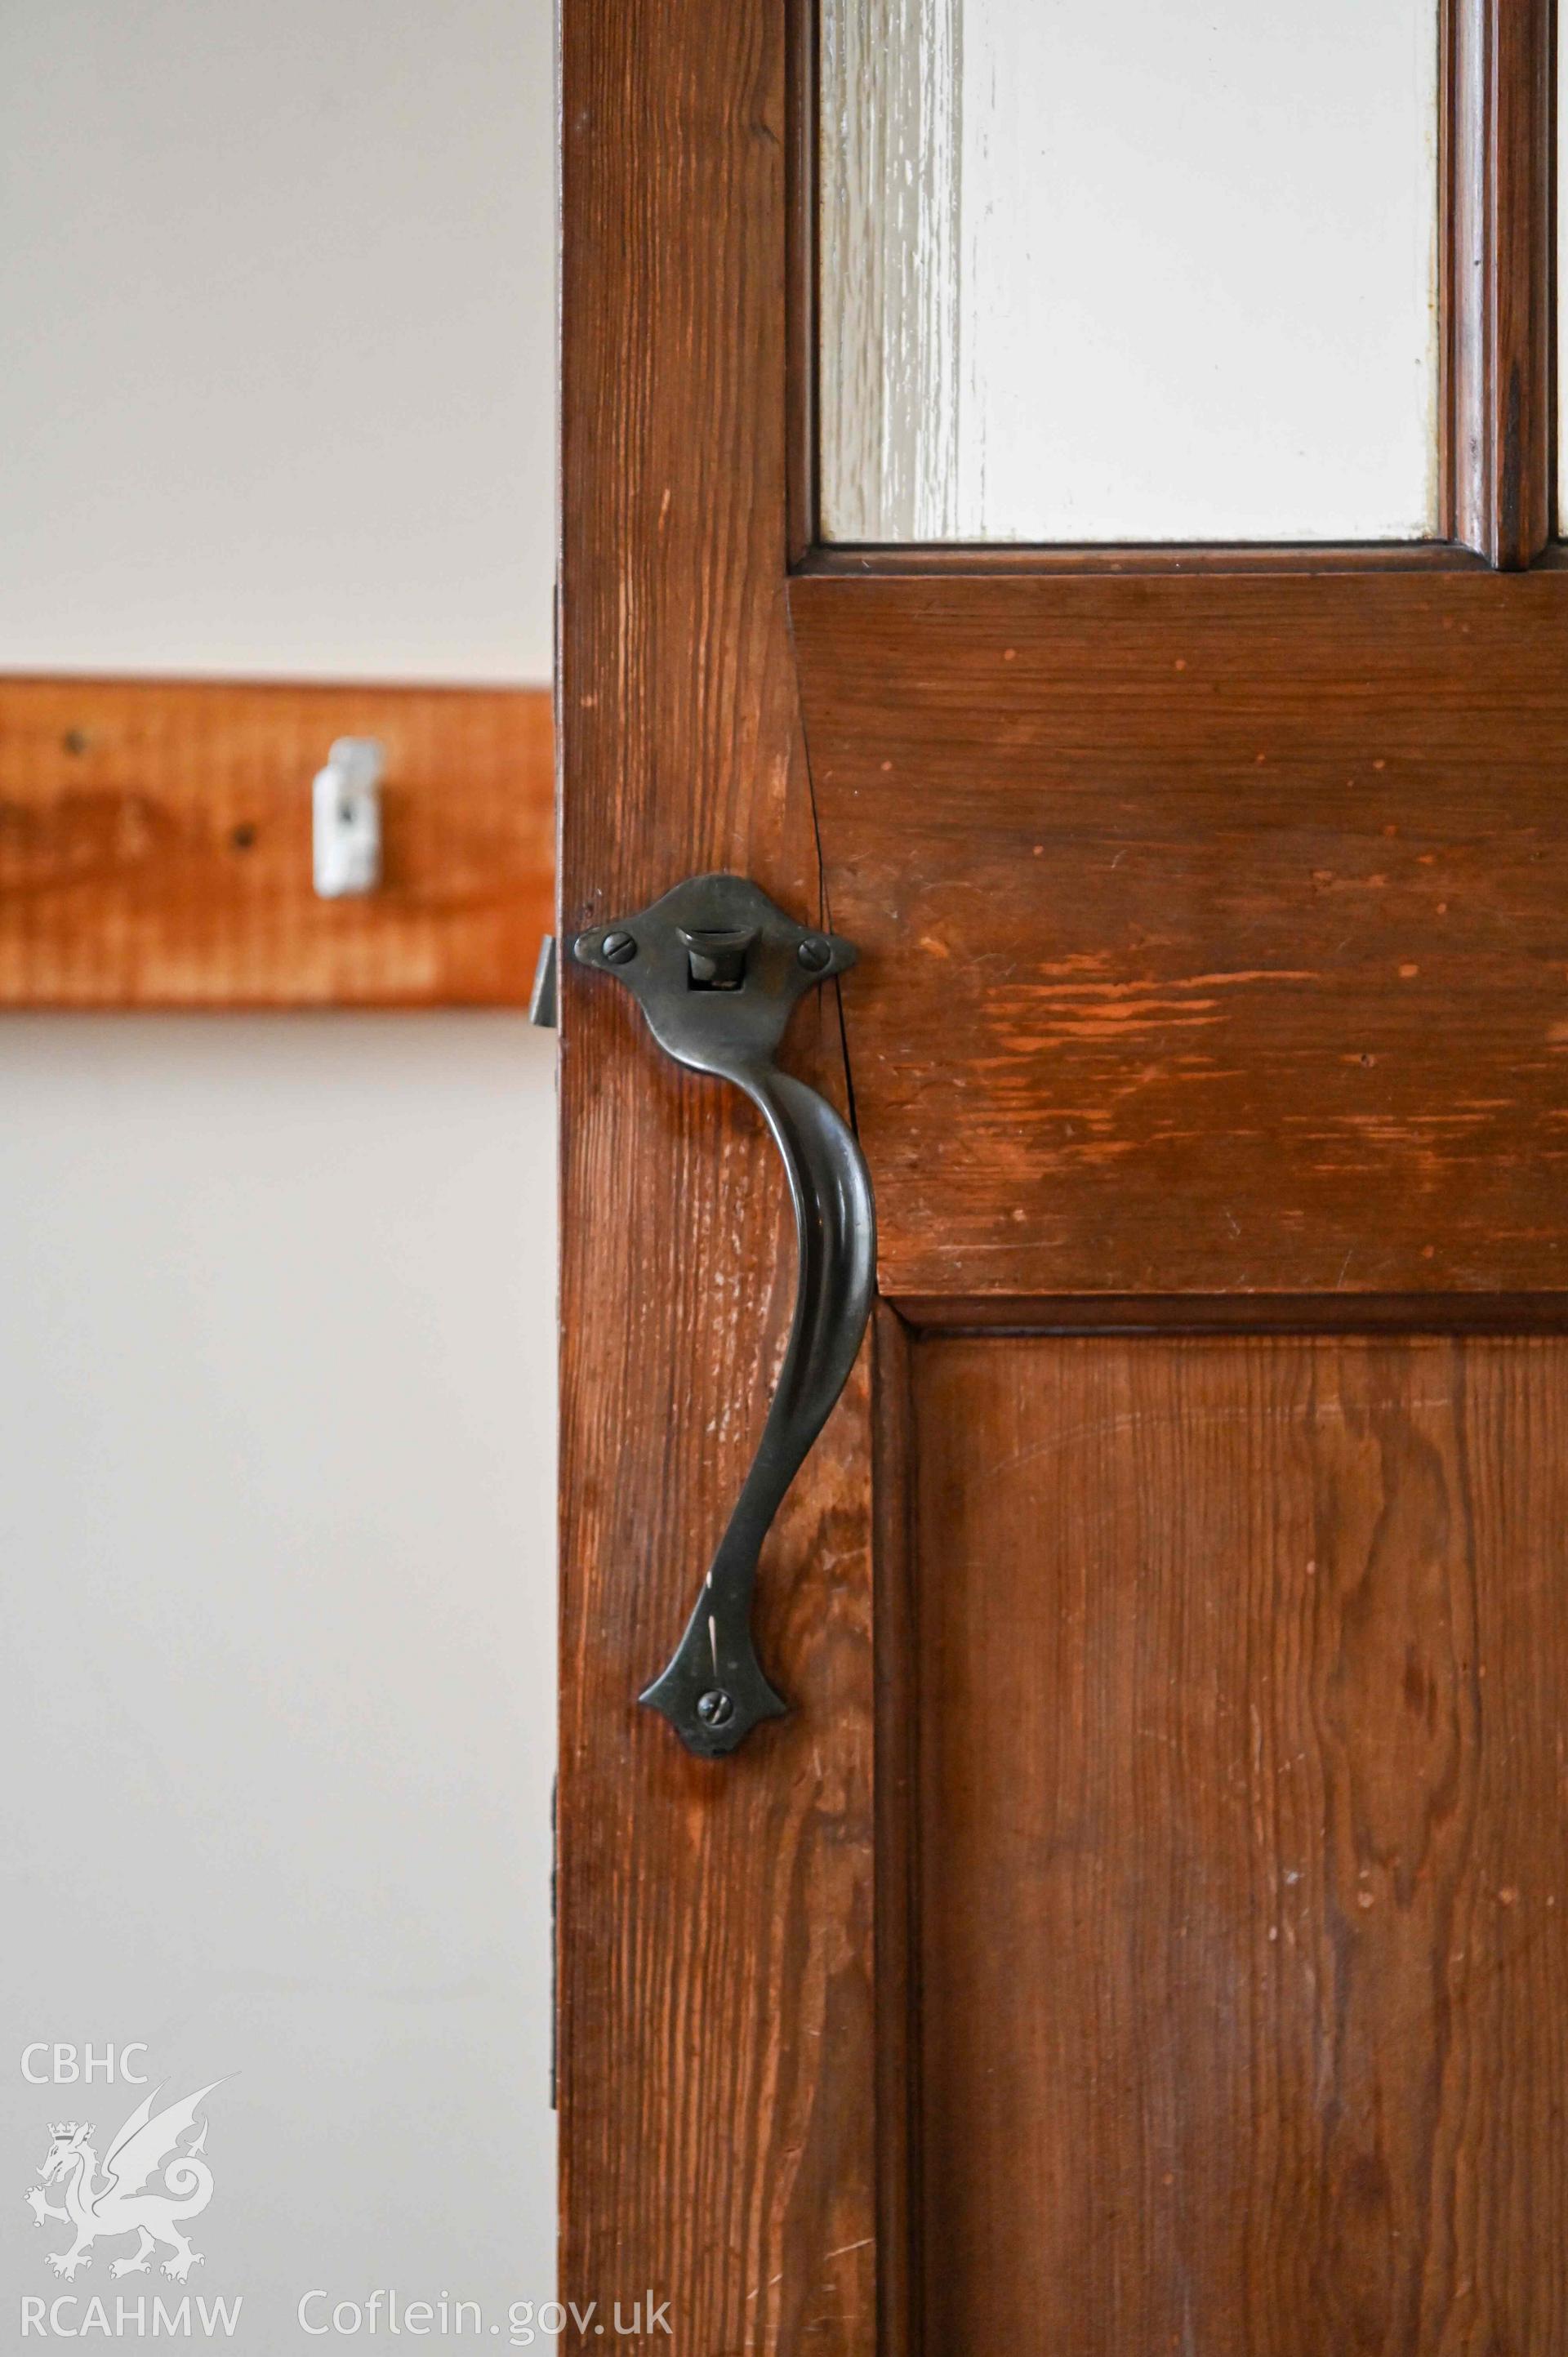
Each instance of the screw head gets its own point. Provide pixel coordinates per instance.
(620, 948)
(714, 1708)
(815, 954)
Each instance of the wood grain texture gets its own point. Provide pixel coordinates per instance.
(156, 852)
(1243, 1674)
(716, 2033)
(1498, 270)
(1214, 932)
(1214, 918)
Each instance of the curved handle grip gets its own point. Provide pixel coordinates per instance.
(717, 968)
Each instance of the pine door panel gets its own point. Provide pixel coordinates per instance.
(1241, 1672)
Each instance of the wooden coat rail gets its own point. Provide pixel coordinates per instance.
(156, 846)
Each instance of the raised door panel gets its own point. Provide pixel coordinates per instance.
(1240, 1670)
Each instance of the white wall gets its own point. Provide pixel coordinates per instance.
(276, 276)
(277, 1377)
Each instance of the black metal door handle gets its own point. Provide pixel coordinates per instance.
(717, 968)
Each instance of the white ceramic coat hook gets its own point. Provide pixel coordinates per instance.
(347, 814)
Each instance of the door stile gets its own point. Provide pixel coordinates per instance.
(1497, 278)
(716, 2009)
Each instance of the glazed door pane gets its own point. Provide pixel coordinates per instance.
(1137, 272)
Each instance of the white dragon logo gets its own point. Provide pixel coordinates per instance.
(148, 2142)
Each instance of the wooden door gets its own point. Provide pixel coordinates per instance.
(1149, 1929)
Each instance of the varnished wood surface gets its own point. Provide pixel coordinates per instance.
(1498, 267)
(1214, 932)
(993, 561)
(1212, 910)
(1236, 1313)
(156, 846)
(716, 2019)
(1244, 1959)
(900, 2325)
